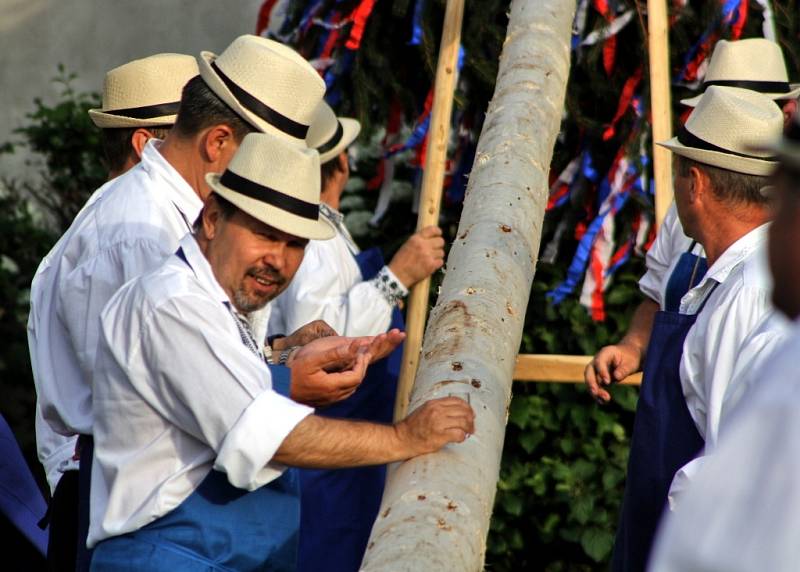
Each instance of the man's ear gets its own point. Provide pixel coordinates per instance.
(789, 109)
(698, 184)
(215, 142)
(212, 215)
(139, 139)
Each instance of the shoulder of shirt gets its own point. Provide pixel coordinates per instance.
(162, 289)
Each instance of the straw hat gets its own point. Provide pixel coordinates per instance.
(787, 146)
(330, 135)
(145, 92)
(756, 64)
(277, 183)
(731, 128)
(268, 84)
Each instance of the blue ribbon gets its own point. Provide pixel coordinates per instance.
(416, 24)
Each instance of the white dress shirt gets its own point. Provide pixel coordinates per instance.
(742, 513)
(132, 223)
(663, 255)
(177, 392)
(716, 345)
(329, 286)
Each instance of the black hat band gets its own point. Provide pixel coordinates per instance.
(270, 196)
(333, 141)
(688, 139)
(759, 86)
(147, 111)
(265, 112)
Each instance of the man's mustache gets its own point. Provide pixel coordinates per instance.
(270, 274)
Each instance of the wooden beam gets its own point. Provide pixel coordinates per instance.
(431, 193)
(558, 369)
(660, 103)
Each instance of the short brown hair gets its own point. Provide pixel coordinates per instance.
(117, 145)
(728, 185)
(201, 108)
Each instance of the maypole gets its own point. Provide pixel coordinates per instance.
(436, 509)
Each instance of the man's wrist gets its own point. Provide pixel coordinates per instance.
(390, 286)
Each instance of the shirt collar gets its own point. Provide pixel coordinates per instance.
(180, 193)
(199, 265)
(736, 253)
(331, 214)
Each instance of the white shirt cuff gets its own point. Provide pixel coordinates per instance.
(246, 451)
(389, 286)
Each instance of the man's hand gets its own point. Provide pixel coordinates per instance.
(435, 424)
(612, 363)
(382, 345)
(303, 335)
(419, 257)
(327, 370)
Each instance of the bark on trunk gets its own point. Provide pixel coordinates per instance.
(436, 509)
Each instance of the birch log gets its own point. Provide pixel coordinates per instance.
(436, 508)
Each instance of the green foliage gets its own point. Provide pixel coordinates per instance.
(68, 152)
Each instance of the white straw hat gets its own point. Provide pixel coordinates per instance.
(268, 84)
(731, 128)
(145, 92)
(787, 146)
(330, 135)
(755, 63)
(277, 183)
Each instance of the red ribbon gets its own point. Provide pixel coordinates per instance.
(624, 102)
(359, 16)
(741, 20)
(263, 15)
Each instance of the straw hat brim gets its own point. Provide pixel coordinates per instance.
(350, 130)
(218, 86)
(319, 229)
(793, 94)
(105, 120)
(737, 163)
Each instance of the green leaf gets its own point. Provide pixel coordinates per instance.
(597, 543)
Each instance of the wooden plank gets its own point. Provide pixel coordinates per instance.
(558, 369)
(431, 193)
(660, 103)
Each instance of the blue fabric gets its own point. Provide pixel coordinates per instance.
(664, 439)
(218, 527)
(679, 281)
(21, 501)
(281, 379)
(340, 506)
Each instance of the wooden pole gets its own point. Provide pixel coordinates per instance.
(431, 194)
(436, 508)
(555, 368)
(660, 103)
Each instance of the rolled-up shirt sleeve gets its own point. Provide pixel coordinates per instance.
(204, 380)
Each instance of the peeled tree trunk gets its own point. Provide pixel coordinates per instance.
(436, 508)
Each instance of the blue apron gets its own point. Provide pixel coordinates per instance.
(686, 275)
(218, 526)
(665, 436)
(340, 506)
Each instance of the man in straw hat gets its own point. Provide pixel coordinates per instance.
(140, 101)
(675, 262)
(139, 218)
(692, 351)
(742, 511)
(192, 443)
(358, 295)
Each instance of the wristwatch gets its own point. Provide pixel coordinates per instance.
(284, 355)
